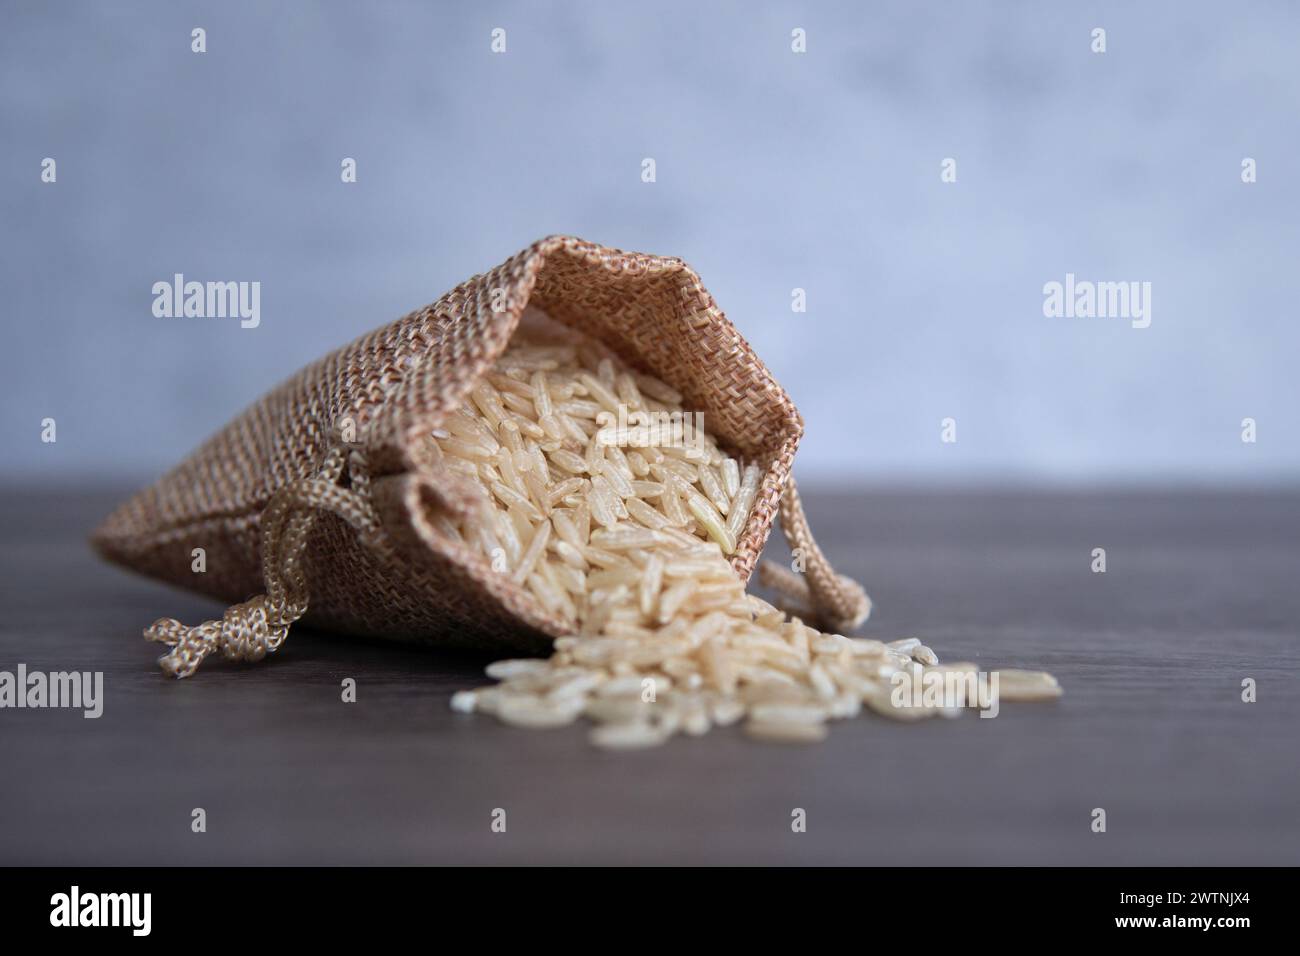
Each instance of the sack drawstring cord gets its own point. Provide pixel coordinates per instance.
(833, 600)
(257, 627)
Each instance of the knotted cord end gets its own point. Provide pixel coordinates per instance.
(848, 610)
(246, 632)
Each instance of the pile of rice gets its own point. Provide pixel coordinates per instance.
(627, 541)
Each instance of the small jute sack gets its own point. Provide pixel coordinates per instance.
(320, 500)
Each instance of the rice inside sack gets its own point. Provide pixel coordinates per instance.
(599, 492)
(319, 501)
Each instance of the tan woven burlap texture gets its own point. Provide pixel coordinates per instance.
(337, 457)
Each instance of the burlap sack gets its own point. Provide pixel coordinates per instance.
(317, 499)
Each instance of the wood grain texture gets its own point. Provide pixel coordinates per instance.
(1201, 591)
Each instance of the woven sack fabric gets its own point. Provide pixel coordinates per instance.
(317, 499)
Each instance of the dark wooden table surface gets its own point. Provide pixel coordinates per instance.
(1202, 590)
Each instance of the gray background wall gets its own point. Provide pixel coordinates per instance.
(775, 170)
